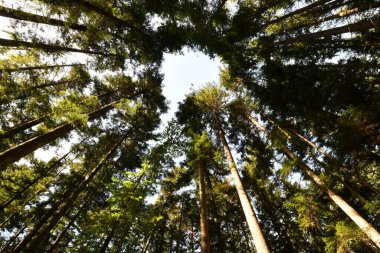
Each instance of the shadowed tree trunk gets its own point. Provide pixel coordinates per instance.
(362, 25)
(25, 16)
(205, 238)
(46, 47)
(253, 224)
(10, 70)
(367, 228)
(13, 154)
(31, 242)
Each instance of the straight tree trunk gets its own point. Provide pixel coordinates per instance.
(253, 224)
(13, 154)
(34, 181)
(367, 228)
(63, 233)
(26, 16)
(21, 127)
(362, 25)
(205, 238)
(147, 242)
(39, 233)
(46, 47)
(298, 11)
(27, 93)
(108, 239)
(11, 70)
(100, 10)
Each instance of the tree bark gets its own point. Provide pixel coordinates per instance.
(362, 25)
(11, 70)
(18, 128)
(63, 233)
(34, 181)
(205, 238)
(108, 239)
(13, 154)
(31, 243)
(25, 16)
(253, 224)
(303, 9)
(367, 228)
(47, 47)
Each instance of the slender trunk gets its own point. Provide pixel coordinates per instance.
(10, 70)
(269, 207)
(13, 154)
(289, 135)
(147, 242)
(31, 243)
(108, 239)
(205, 238)
(47, 47)
(34, 181)
(367, 228)
(26, 16)
(298, 11)
(249, 213)
(21, 127)
(362, 25)
(246, 238)
(103, 11)
(12, 239)
(27, 92)
(347, 13)
(64, 231)
(351, 189)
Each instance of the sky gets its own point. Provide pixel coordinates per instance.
(184, 72)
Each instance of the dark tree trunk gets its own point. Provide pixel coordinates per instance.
(25, 16)
(32, 241)
(10, 70)
(46, 47)
(205, 238)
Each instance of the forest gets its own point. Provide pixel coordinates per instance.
(282, 154)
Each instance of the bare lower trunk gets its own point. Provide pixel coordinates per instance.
(205, 239)
(367, 228)
(253, 224)
(39, 233)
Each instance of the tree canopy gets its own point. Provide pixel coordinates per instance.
(281, 155)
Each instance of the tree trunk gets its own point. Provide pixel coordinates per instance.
(147, 242)
(31, 243)
(108, 239)
(249, 213)
(34, 181)
(18, 128)
(13, 154)
(303, 9)
(205, 238)
(367, 228)
(63, 233)
(104, 12)
(27, 92)
(10, 70)
(362, 25)
(46, 47)
(25, 16)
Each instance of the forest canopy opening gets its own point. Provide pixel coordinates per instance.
(298, 94)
